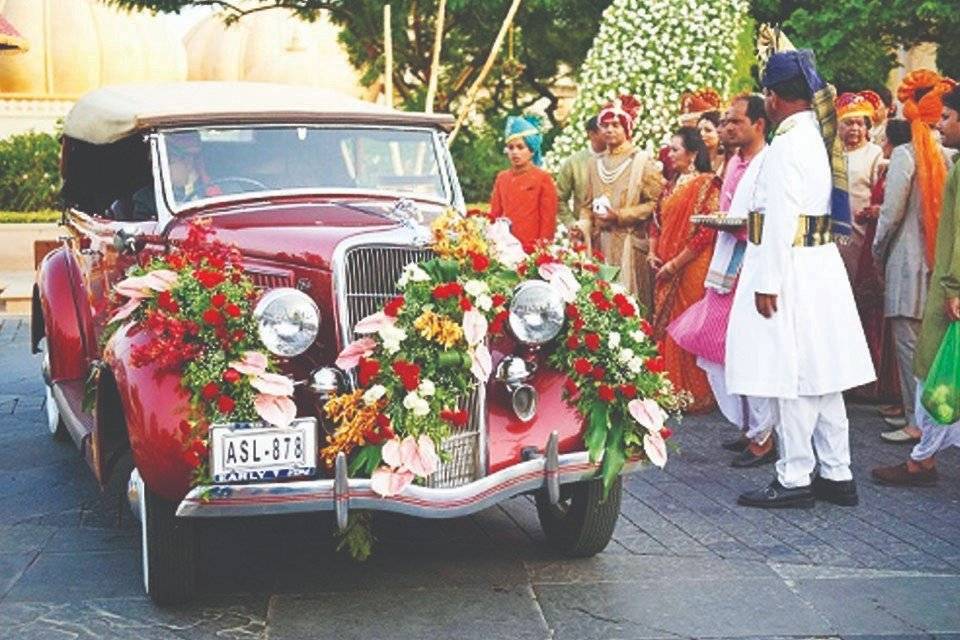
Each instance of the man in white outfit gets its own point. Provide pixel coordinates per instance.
(794, 330)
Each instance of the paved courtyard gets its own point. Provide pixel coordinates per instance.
(686, 562)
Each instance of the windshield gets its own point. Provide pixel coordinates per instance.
(213, 162)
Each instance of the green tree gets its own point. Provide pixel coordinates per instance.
(29, 172)
(856, 40)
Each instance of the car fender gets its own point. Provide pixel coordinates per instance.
(57, 282)
(153, 404)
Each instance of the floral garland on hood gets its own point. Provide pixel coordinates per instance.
(419, 358)
(196, 305)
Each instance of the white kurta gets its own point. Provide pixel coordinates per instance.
(814, 345)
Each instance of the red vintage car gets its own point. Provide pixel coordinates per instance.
(321, 193)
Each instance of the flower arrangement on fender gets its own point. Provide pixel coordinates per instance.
(195, 303)
(419, 358)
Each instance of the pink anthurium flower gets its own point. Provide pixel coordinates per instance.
(389, 482)
(144, 286)
(279, 411)
(562, 280)
(272, 384)
(351, 354)
(390, 454)
(373, 323)
(252, 363)
(481, 363)
(656, 448)
(648, 413)
(474, 327)
(508, 248)
(124, 312)
(419, 456)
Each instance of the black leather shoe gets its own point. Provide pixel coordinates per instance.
(777, 496)
(839, 492)
(737, 445)
(747, 459)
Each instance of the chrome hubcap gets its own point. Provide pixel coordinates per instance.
(50, 405)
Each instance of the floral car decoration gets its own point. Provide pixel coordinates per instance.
(420, 357)
(417, 360)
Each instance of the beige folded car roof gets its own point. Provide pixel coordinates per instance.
(111, 113)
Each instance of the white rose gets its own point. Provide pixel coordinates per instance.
(412, 273)
(635, 365)
(392, 336)
(638, 336)
(484, 302)
(476, 287)
(625, 355)
(613, 340)
(427, 388)
(416, 404)
(374, 393)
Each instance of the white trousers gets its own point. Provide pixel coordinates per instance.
(812, 428)
(756, 417)
(934, 436)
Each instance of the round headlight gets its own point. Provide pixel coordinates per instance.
(536, 313)
(287, 320)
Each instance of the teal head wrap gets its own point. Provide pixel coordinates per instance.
(526, 128)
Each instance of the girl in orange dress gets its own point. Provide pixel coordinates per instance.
(680, 253)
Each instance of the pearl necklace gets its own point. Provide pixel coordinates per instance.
(609, 176)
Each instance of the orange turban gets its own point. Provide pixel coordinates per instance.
(931, 169)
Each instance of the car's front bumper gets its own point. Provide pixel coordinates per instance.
(341, 494)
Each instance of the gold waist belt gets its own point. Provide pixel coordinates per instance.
(812, 231)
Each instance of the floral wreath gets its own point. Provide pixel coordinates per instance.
(418, 359)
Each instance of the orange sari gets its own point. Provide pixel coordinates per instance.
(697, 195)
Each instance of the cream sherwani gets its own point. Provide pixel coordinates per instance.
(813, 347)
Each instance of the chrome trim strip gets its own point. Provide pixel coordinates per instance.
(219, 501)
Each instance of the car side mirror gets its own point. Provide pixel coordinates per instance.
(127, 243)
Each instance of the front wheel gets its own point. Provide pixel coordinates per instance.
(581, 524)
(54, 420)
(169, 550)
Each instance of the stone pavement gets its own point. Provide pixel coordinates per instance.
(686, 561)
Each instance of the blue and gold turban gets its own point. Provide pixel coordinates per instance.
(521, 127)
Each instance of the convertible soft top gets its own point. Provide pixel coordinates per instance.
(111, 113)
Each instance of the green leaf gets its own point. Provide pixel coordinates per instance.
(614, 457)
(442, 270)
(608, 272)
(452, 359)
(598, 423)
(365, 461)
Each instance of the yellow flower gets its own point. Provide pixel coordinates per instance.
(353, 418)
(440, 329)
(456, 237)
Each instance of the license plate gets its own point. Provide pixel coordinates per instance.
(244, 453)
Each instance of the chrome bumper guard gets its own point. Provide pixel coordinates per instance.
(545, 471)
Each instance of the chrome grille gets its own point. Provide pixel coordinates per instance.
(371, 277)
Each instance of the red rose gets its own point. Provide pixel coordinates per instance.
(447, 290)
(582, 366)
(579, 247)
(629, 391)
(368, 370)
(392, 308)
(408, 373)
(592, 341)
(176, 261)
(592, 268)
(210, 391)
(456, 418)
(231, 376)
(233, 310)
(498, 299)
(627, 310)
(543, 259)
(656, 365)
(597, 296)
(185, 428)
(606, 393)
(465, 304)
(522, 268)
(212, 316)
(238, 335)
(571, 386)
(666, 432)
(167, 303)
(598, 255)
(199, 447)
(218, 300)
(572, 312)
(573, 342)
(479, 262)
(645, 326)
(578, 324)
(225, 404)
(598, 373)
(191, 459)
(496, 325)
(209, 279)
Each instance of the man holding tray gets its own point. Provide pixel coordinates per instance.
(796, 336)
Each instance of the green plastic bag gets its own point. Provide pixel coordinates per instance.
(941, 390)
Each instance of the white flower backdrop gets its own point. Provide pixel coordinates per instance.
(655, 50)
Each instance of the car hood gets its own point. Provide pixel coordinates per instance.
(296, 232)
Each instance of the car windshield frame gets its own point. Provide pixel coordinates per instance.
(441, 158)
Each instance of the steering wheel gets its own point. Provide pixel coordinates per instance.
(242, 184)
